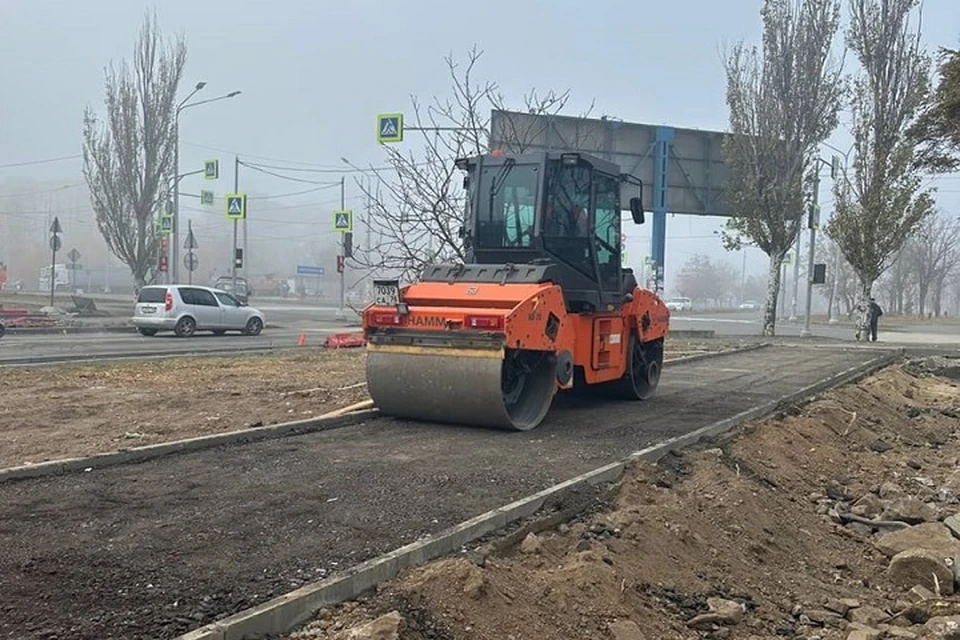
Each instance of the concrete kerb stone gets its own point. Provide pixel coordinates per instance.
(140, 454)
(290, 610)
(297, 607)
(41, 361)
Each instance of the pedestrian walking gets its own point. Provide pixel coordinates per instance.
(873, 313)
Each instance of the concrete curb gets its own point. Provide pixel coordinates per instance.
(140, 454)
(284, 613)
(45, 331)
(40, 361)
(129, 328)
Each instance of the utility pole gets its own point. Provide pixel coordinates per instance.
(174, 251)
(343, 250)
(812, 222)
(55, 230)
(246, 254)
(796, 277)
(369, 245)
(233, 257)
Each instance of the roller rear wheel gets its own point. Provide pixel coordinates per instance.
(642, 377)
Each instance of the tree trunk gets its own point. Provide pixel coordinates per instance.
(923, 287)
(938, 297)
(773, 288)
(830, 300)
(863, 309)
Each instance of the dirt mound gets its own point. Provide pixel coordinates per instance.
(782, 531)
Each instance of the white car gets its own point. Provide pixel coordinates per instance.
(187, 309)
(679, 304)
(749, 305)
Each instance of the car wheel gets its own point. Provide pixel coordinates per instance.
(254, 327)
(186, 327)
(147, 332)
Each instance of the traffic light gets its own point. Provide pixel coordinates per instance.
(820, 273)
(238, 258)
(340, 264)
(348, 245)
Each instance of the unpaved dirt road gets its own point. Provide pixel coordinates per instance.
(156, 549)
(74, 410)
(80, 409)
(746, 523)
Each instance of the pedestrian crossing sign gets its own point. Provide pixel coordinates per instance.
(389, 127)
(343, 221)
(237, 206)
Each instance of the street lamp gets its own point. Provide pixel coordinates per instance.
(184, 104)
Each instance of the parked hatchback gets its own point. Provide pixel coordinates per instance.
(187, 309)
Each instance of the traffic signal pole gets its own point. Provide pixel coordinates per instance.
(233, 257)
(343, 249)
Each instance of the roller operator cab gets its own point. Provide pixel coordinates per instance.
(543, 302)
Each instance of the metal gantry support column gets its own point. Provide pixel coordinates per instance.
(658, 250)
(813, 222)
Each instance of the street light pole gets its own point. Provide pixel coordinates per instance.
(813, 222)
(175, 249)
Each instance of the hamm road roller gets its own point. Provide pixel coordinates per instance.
(542, 303)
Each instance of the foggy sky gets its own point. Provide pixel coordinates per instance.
(314, 73)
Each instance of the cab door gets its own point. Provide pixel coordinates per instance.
(606, 236)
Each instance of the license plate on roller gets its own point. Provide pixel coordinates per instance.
(386, 293)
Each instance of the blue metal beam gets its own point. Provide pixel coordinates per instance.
(661, 157)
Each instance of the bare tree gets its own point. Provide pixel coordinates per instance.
(126, 159)
(932, 253)
(703, 280)
(881, 206)
(417, 203)
(783, 102)
(898, 284)
(840, 283)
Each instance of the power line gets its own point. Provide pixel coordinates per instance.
(37, 193)
(34, 162)
(255, 167)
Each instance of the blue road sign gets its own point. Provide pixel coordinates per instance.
(389, 127)
(307, 270)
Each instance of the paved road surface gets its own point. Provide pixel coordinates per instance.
(18, 349)
(746, 323)
(156, 549)
(315, 322)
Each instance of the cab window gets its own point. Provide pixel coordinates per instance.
(607, 230)
(506, 219)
